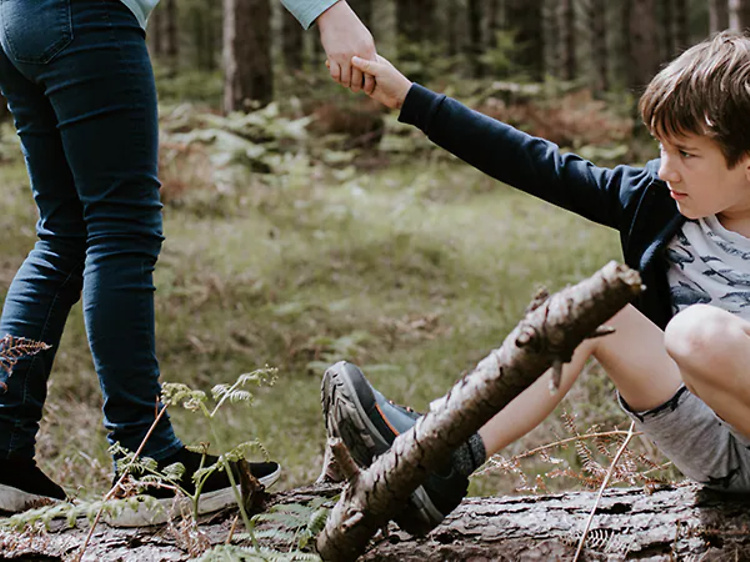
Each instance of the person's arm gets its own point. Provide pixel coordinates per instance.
(529, 163)
(342, 35)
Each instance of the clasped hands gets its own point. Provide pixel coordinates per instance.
(352, 59)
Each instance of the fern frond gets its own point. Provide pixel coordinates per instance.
(12, 349)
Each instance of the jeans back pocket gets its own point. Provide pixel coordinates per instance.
(35, 31)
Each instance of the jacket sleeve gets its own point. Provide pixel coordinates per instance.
(307, 11)
(532, 164)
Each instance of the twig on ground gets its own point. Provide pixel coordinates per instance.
(620, 451)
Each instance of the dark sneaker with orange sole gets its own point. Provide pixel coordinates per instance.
(24, 486)
(368, 424)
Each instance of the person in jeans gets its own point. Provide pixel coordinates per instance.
(80, 87)
(679, 355)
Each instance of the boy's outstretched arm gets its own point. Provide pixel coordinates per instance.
(529, 163)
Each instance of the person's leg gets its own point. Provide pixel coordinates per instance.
(102, 90)
(49, 281)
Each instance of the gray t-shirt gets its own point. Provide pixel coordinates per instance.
(306, 11)
(709, 264)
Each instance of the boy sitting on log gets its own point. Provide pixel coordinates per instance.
(679, 356)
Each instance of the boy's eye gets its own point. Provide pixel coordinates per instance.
(685, 154)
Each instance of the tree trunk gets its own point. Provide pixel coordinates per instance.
(547, 336)
(292, 42)
(683, 523)
(451, 28)
(172, 40)
(739, 14)
(247, 54)
(666, 30)
(567, 46)
(681, 26)
(718, 15)
(475, 48)
(525, 17)
(552, 33)
(155, 33)
(599, 46)
(644, 52)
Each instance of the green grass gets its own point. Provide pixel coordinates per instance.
(414, 271)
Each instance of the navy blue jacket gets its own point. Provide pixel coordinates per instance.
(632, 200)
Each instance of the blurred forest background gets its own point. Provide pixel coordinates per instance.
(306, 225)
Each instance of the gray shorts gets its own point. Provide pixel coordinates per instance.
(699, 443)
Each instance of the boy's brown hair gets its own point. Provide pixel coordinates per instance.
(704, 91)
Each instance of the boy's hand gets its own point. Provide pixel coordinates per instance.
(390, 87)
(343, 35)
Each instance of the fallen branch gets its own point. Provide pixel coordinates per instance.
(548, 335)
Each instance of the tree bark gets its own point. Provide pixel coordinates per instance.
(739, 14)
(718, 15)
(599, 45)
(683, 523)
(644, 52)
(475, 46)
(681, 25)
(525, 17)
(567, 46)
(547, 336)
(292, 42)
(247, 54)
(172, 40)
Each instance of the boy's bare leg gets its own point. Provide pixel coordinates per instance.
(634, 357)
(712, 348)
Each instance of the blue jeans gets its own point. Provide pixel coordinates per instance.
(80, 86)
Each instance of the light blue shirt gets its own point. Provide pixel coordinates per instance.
(142, 9)
(306, 11)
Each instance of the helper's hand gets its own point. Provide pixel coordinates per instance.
(343, 36)
(391, 86)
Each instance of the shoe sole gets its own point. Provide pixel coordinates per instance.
(167, 509)
(13, 500)
(346, 418)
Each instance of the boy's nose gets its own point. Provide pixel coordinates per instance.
(667, 173)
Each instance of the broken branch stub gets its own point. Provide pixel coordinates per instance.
(549, 332)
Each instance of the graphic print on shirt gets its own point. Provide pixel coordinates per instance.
(684, 295)
(679, 256)
(708, 264)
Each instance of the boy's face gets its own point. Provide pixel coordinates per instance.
(700, 181)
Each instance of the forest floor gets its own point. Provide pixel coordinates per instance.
(414, 269)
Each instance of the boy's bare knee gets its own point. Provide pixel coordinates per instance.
(698, 340)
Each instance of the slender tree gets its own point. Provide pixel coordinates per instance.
(292, 41)
(171, 36)
(643, 49)
(600, 82)
(567, 46)
(718, 15)
(247, 54)
(475, 45)
(666, 29)
(155, 33)
(739, 14)
(525, 17)
(681, 31)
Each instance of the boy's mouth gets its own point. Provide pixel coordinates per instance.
(677, 195)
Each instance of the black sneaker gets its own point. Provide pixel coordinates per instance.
(368, 424)
(24, 486)
(216, 494)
